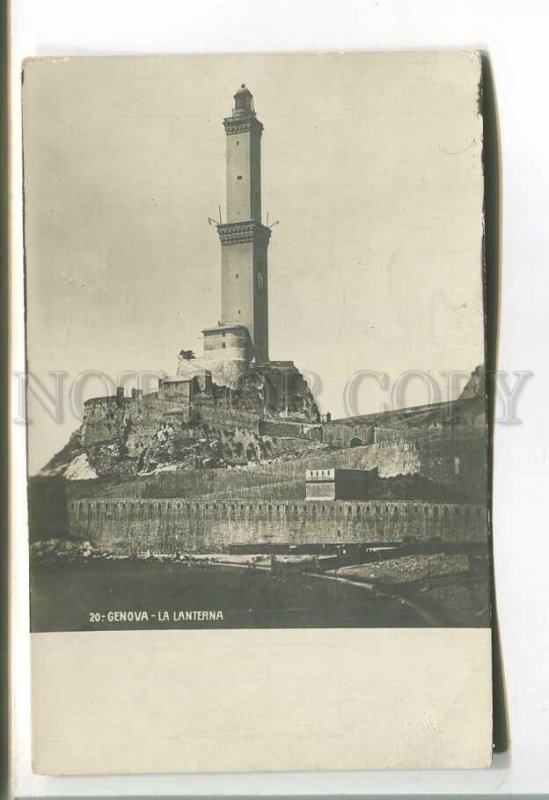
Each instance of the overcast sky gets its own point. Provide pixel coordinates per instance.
(371, 163)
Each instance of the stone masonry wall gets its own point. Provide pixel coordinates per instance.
(134, 526)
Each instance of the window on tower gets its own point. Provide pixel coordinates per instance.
(239, 177)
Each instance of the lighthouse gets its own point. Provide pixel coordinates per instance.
(243, 330)
(236, 350)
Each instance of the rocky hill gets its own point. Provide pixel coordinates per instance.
(433, 453)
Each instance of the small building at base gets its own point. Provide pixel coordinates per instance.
(338, 484)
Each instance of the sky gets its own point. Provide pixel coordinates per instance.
(371, 163)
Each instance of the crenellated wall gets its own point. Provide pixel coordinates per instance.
(168, 525)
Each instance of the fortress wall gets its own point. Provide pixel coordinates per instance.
(437, 452)
(133, 526)
(225, 417)
(201, 482)
(214, 481)
(145, 419)
(102, 420)
(382, 435)
(389, 458)
(432, 458)
(459, 460)
(340, 433)
(108, 420)
(276, 428)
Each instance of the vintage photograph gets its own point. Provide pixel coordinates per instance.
(255, 338)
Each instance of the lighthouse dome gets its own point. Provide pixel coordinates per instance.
(243, 100)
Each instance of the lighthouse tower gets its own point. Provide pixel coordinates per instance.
(236, 349)
(244, 324)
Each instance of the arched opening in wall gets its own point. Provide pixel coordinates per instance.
(356, 442)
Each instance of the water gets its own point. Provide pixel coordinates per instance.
(94, 595)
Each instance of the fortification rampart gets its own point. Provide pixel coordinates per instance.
(222, 416)
(134, 526)
(343, 434)
(389, 458)
(113, 419)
